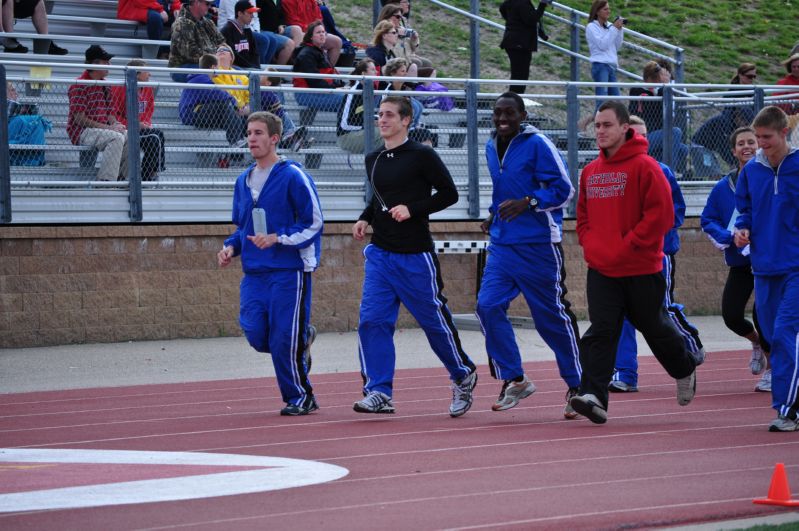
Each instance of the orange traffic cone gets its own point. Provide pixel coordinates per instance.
(779, 493)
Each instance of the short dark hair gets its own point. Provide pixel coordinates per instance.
(274, 125)
(208, 61)
(618, 108)
(362, 65)
(516, 99)
(738, 132)
(771, 117)
(403, 105)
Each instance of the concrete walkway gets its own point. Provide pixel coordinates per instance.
(188, 360)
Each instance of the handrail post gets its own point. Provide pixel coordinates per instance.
(679, 70)
(134, 163)
(574, 46)
(572, 147)
(5, 165)
(255, 92)
(759, 98)
(474, 40)
(368, 130)
(472, 150)
(668, 126)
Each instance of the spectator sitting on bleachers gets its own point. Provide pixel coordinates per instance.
(714, 134)
(155, 14)
(271, 19)
(347, 56)
(293, 137)
(151, 140)
(91, 120)
(312, 59)
(651, 111)
(253, 46)
(211, 108)
(25, 126)
(33, 9)
(384, 40)
(303, 13)
(192, 36)
(407, 38)
(791, 65)
(350, 119)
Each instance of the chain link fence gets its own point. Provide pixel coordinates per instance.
(192, 136)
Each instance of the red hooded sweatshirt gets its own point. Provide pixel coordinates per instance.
(623, 212)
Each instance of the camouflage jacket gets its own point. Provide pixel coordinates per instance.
(191, 38)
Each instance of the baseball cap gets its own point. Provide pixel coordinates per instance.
(245, 5)
(95, 52)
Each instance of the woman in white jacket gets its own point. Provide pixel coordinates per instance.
(604, 40)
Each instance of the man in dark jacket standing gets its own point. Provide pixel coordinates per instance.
(522, 30)
(401, 265)
(624, 211)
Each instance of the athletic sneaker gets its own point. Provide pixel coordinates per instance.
(758, 361)
(698, 356)
(764, 385)
(590, 407)
(374, 402)
(686, 389)
(617, 386)
(783, 424)
(568, 411)
(306, 356)
(294, 410)
(512, 392)
(462, 394)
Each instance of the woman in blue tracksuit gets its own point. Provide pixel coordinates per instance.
(718, 218)
(531, 187)
(767, 198)
(277, 263)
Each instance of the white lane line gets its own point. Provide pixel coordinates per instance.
(277, 473)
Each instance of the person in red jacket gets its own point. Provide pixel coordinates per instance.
(156, 14)
(301, 13)
(151, 140)
(623, 212)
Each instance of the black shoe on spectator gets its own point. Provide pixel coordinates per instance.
(16, 49)
(56, 49)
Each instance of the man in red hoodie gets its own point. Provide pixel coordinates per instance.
(623, 212)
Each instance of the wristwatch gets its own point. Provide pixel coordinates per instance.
(532, 202)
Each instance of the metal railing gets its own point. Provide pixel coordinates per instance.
(195, 185)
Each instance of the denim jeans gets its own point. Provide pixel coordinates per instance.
(604, 73)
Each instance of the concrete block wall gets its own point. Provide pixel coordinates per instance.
(86, 284)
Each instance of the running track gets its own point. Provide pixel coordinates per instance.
(653, 464)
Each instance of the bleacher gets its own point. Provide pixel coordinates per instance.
(192, 155)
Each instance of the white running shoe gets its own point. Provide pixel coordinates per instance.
(462, 394)
(758, 361)
(374, 402)
(764, 385)
(512, 392)
(686, 389)
(590, 407)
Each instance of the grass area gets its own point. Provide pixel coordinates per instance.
(717, 35)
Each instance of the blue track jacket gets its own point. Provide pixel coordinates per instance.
(768, 203)
(671, 242)
(718, 218)
(293, 212)
(532, 166)
(191, 98)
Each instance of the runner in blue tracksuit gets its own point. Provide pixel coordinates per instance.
(401, 265)
(531, 187)
(767, 197)
(277, 264)
(625, 375)
(718, 222)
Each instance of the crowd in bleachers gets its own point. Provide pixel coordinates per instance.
(302, 35)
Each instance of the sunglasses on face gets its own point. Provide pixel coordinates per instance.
(396, 16)
(393, 32)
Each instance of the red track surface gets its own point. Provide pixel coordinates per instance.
(654, 463)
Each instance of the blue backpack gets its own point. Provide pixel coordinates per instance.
(27, 129)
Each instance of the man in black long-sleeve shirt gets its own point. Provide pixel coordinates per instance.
(401, 265)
